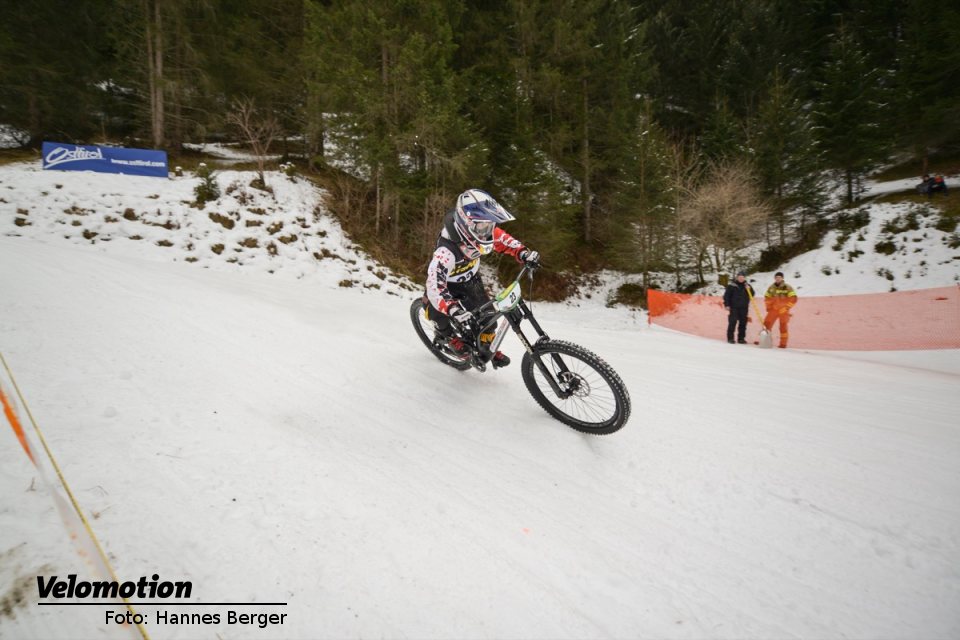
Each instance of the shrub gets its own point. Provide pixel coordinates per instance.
(290, 170)
(208, 189)
(631, 294)
(885, 247)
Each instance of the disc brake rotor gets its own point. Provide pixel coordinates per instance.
(575, 384)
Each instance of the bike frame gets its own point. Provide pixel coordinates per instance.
(509, 309)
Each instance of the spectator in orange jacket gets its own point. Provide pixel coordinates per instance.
(780, 299)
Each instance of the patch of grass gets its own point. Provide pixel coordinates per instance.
(164, 243)
(129, 214)
(885, 247)
(946, 223)
(275, 227)
(250, 243)
(10, 156)
(902, 224)
(287, 239)
(217, 249)
(224, 221)
(885, 273)
(259, 184)
(346, 283)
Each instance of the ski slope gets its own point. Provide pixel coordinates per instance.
(272, 439)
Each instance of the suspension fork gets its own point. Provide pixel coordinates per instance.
(514, 318)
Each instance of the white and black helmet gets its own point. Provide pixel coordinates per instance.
(476, 217)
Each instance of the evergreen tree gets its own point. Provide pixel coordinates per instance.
(786, 154)
(384, 71)
(850, 111)
(929, 78)
(53, 69)
(644, 215)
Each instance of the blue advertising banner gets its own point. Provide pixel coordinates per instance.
(79, 157)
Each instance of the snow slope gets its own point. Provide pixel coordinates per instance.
(284, 231)
(275, 437)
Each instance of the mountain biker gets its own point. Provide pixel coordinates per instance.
(454, 286)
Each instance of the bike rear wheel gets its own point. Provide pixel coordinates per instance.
(428, 335)
(594, 399)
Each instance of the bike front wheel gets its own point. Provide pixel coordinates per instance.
(592, 398)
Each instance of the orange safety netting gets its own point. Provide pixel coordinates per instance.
(924, 319)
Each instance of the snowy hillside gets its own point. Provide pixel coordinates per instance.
(283, 231)
(277, 437)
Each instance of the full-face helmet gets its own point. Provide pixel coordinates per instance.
(476, 217)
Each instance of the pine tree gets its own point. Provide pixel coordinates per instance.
(384, 73)
(850, 111)
(929, 78)
(786, 154)
(53, 69)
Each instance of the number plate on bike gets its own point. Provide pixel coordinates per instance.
(509, 298)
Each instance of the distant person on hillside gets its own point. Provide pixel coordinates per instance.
(454, 287)
(736, 300)
(932, 184)
(780, 299)
(938, 185)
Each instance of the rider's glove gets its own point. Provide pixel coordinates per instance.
(530, 258)
(461, 315)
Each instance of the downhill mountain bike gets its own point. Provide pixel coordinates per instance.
(572, 384)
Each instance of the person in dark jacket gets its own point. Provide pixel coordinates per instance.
(736, 300)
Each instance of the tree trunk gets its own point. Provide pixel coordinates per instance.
(585, 161)
(154, 37)
(781, 216)
(376, 215)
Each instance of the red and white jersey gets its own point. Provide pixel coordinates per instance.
(449, 264)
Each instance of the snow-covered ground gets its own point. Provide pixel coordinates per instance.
(245, 229)
(276, 437)
(913, 254)
(227, 153)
